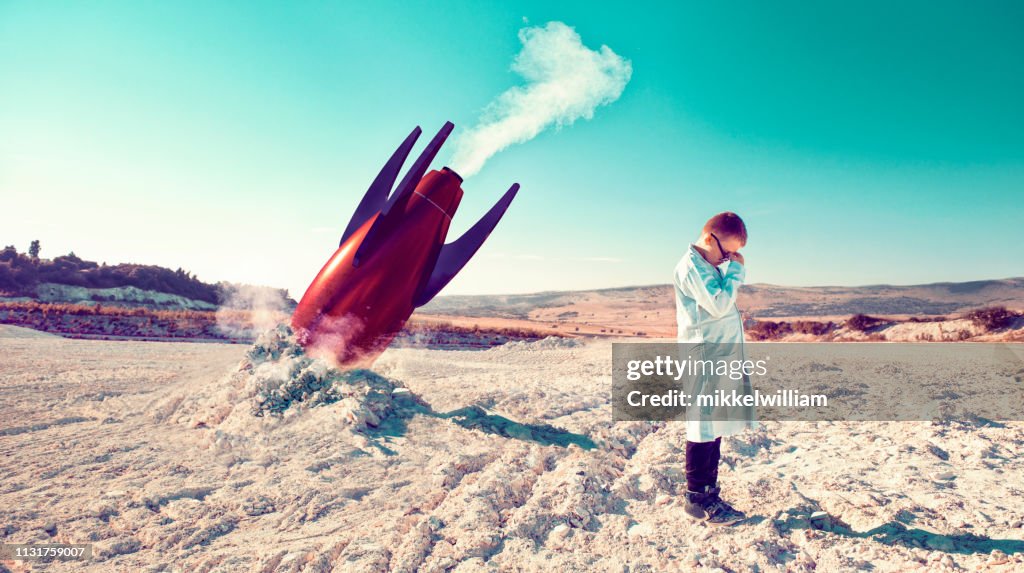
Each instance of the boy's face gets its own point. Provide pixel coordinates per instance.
(728, 244)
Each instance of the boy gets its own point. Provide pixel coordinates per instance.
(707, 281)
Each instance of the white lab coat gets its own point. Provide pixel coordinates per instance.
(706, 315)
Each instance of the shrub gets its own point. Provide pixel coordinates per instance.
(863, 322)
(768, 329)
(991, 318)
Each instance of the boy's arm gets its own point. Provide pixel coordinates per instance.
(716, 296)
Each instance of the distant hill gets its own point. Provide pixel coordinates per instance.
(757, 300)
(927, 299)
(642, 311)
(72, 279)
(651, 309)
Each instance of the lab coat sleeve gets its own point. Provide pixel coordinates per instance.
(715, 295)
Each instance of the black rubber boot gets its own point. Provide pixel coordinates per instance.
(709, 508)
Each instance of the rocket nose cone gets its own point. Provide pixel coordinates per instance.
(442, 189)
(452, 171)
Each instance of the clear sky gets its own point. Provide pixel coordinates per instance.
(862, 142)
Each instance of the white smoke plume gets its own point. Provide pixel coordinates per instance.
(565, 81)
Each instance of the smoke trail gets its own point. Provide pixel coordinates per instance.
(564, 82)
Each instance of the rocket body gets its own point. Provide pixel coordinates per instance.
(392, 259)
(358, 309)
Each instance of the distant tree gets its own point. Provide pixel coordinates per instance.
(33, 249)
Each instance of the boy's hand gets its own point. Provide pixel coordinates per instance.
(737, 257)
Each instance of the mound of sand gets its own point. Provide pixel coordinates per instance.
(275, 384)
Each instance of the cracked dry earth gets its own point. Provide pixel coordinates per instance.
(148, 452)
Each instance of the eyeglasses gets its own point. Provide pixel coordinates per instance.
(725, 253)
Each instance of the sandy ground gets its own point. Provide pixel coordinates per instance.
(146, 450)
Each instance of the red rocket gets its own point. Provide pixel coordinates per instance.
(392, 257)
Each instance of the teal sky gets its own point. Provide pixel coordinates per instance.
(862, 142)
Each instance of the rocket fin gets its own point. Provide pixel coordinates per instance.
(455, 255)
(404, 190)
(376, 196)
(392, 212)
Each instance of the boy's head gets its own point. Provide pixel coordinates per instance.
(723, 235)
